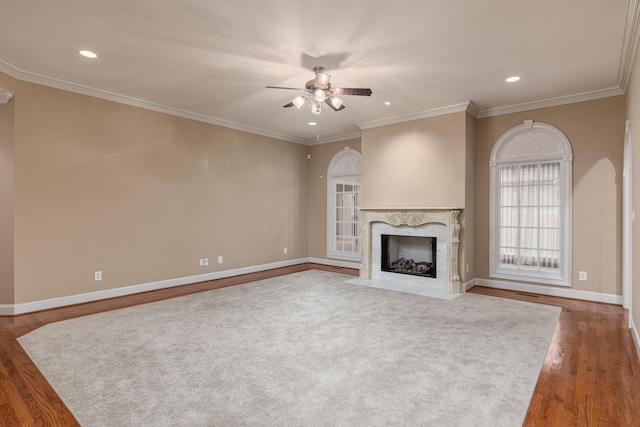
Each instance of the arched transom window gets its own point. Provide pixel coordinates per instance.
(530, 235)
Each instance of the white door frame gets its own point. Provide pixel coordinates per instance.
(627, 223)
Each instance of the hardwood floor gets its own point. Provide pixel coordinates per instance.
(590, 376)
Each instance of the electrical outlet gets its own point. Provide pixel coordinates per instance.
(286, 251)
(220, 259)
(201, 262)
(582, 275)
(205, 261)
(97, 276)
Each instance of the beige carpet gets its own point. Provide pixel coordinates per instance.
(306, 349)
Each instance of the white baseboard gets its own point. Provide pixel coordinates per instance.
(335, 263)
(468, 285)
(634, 334)
(15, 309)
(551, 291)
(29, 307)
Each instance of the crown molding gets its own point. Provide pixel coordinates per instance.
(631, 41)
(345, 137)
(551, 102)
(9, 68)
(473, 109)
(19, 73)
(433, 112)
(629, 44)
(5, 96)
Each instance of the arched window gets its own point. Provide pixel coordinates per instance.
(343, 194)
(530, 235)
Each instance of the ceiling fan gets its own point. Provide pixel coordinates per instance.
(319, 90)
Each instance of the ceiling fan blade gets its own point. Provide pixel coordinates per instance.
(288, 105)
(328, 102)
(287, 88)
(351, 91)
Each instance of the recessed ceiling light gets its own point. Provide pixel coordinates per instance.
(88, 54)
(512, 79)
(312, 123)
(387, 102)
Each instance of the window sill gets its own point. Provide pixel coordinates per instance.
(529, 278)
(344, 256)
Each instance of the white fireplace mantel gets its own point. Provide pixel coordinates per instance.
(413, 218)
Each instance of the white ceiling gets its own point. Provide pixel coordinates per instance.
(211, 60)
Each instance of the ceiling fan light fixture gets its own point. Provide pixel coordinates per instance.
(319, 95)
(319, 91)
(322, 80)
(298, 101)
(336, 102)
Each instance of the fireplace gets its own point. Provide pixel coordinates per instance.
(413, 255)
(389, 235)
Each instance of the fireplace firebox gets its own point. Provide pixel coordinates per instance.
(413, 255)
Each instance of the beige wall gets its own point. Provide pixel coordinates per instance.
(321, 156)
(633, 115)
(416, 164)
(596, 132)
(6, 202)
(142, 196)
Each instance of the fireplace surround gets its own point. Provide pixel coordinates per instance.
(441, 223)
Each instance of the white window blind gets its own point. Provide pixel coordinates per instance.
(530, 216)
